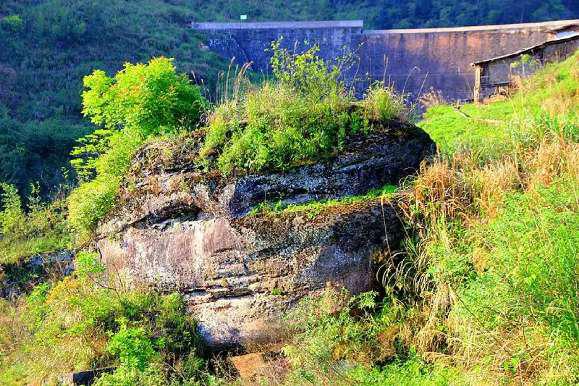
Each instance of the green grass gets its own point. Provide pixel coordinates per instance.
(304, 114)
(315, 208)
(495, 128)
(83, 322)
(485, 290)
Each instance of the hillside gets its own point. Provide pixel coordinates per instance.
(47, 46)
(479, 288)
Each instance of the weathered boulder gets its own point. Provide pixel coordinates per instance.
(180, 229)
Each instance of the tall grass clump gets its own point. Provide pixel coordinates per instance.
(139, 102)
(381, 104)
(496, 241)
(35, 228)
(305, 113)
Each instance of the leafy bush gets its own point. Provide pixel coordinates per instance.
(326, 333)
(86, 321)
(12, 217)
(132, 346)
(40, 229)
(305, 114)
(151, 98)
(12, 23)
(90, 202)
(342, 339)
(93, 199)
(306, 73)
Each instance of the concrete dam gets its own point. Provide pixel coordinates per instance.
(413, 61)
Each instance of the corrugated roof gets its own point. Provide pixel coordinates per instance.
(530, 49)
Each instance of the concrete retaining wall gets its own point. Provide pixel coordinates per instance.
(414, 61)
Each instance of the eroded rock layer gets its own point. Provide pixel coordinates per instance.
(180, 229)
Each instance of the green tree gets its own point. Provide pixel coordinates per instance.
(152, 98)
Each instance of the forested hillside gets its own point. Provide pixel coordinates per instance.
(47, 46)
(386, 14)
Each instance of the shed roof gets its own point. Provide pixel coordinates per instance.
(530, 49)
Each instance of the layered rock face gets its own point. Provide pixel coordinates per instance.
(180, 229)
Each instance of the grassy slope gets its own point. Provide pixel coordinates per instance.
(490, 129)
(486, 291)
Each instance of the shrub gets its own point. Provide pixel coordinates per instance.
(132, 346)
(12, 23)
(38, 228)
(276, 135)
(12, 218)
(129, 376)
(304, 114)
(151, 98)
(90, 202)
(86, 321)
(306, 73)
(93, 199)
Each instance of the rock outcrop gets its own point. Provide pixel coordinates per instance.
(180, 229)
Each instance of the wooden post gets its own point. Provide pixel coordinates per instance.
(477, 83)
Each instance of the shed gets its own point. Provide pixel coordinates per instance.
(495, 75)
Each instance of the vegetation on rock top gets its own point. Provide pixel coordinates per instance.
(304, 114)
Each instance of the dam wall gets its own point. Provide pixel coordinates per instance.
(414, 61)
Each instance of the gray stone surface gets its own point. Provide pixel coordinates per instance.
(181, 230)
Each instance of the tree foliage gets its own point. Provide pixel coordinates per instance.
(151, 98)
